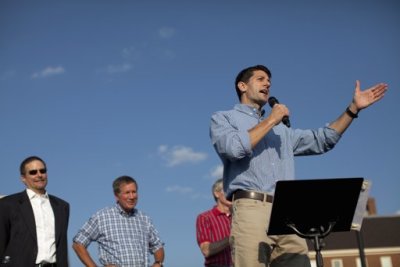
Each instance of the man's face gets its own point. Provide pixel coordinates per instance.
(256, 91)
(127, 197)
(219, 194)
(35, 176)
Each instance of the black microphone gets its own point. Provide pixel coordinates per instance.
(272, 101)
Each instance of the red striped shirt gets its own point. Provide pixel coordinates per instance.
(213, 226)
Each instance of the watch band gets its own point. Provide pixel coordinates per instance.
(351, 114)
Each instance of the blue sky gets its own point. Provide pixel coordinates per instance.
(101, 89)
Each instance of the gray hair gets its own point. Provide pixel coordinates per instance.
(123, 180)
(216, 187)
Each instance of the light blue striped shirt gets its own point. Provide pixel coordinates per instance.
(124, 239)
(272, 159)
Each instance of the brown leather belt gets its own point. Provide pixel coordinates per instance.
(238, 194)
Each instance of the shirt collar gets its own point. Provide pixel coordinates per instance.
(123, 212)
(32, 194)
(249, 110)
(217, 212)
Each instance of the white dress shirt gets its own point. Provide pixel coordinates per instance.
(45, 227)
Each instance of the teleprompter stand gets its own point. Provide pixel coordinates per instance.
(314, 208)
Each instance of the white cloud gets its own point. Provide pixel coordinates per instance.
(162, 148)
(111, 69)
(217, 171)
(180, 154)
(131, 52)
(179, 189)
(166, 32)
(47, 72)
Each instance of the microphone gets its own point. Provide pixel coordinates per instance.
(272, 101)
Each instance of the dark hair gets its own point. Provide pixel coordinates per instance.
(27, 161)
(246, 74)
(122, 180)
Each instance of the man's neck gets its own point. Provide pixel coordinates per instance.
(223, 208)
(37, 192)
(252, 104)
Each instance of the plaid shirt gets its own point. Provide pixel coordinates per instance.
(124, 239)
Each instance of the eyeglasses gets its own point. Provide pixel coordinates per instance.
(34, 172)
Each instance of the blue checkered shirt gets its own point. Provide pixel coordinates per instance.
(124, 239)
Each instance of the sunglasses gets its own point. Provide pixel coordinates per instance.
(34, 172)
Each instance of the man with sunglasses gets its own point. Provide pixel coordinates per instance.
(33, 224)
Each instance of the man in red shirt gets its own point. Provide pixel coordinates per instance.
(213, 230)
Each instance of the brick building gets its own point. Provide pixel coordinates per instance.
(380, 243)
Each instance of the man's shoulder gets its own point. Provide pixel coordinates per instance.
(59, 200)
(206, 213)
(223, 112)
(13, 197)
(237, 110)
(9, 202)
(105, 210)
(141, 214)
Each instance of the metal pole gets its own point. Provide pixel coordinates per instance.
(360, 242)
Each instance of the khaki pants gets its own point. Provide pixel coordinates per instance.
(250, 245)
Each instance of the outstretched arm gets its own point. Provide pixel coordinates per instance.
(361, 100)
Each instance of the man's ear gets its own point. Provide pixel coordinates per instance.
(23, 179)
(216, 194)
(242, 86)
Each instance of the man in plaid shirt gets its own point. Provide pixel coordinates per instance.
(125, 235)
